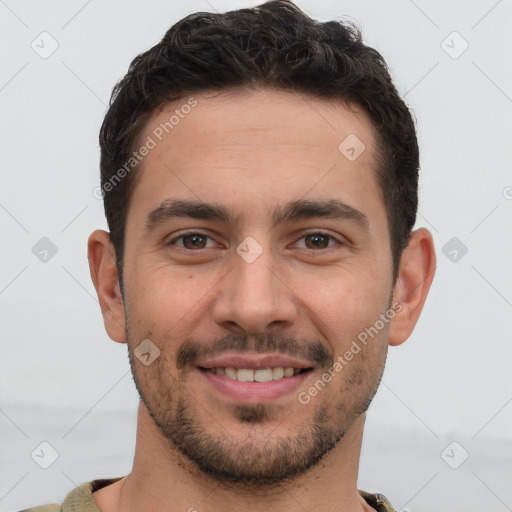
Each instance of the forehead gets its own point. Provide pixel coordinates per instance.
(257, 146)
(251, 117)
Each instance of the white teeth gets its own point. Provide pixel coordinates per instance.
(262, 375)
(288, 372)
(277, 373)
(230, 372)
(245, 375)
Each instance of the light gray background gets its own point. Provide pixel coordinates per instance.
(62, 380)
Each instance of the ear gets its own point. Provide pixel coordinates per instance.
(102, 264)
(417, 267)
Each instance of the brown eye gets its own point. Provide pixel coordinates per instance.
(191, 241)
(318, 241)
(195, 241)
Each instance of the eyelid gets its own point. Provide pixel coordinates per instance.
(312, 231)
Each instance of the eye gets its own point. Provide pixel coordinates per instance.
(318, 240)
(192, 240)
(196, 240)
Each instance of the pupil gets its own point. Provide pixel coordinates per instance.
(316, 238)
(195, 240)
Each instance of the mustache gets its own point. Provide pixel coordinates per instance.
(313, 351)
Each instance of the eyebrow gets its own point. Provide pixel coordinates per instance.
(293, 211)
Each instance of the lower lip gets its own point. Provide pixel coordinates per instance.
(254, 391)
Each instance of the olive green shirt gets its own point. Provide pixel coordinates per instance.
(81, 500)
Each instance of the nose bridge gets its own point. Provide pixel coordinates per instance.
(254, 295)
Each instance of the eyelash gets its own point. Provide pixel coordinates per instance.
(304, 235)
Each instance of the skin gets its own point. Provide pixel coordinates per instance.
(253, 151)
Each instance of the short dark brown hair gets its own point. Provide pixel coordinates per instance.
(274, 45)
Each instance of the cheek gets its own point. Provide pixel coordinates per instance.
(162, 293)
(346, 303)
(168, 304)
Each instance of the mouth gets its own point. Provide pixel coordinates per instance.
(260, 375)
(261, 378)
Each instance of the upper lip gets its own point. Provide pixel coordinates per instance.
(253, 362)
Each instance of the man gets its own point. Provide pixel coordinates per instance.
(260, 178)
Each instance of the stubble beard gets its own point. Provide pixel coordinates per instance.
(256, 461)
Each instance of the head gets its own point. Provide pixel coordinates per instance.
(260, 177)
(275, 46)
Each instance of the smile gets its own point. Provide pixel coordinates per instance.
(242, 384)
(260, 375)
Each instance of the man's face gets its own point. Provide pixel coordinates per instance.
(258, 291)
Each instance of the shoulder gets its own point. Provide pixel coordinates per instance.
(377, 501)
(79, 499)
(44, 508)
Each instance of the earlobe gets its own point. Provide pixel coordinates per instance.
(417, 268)
(102, 266)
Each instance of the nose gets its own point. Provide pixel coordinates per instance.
(255, 297)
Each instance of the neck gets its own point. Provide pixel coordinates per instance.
(163, 479)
